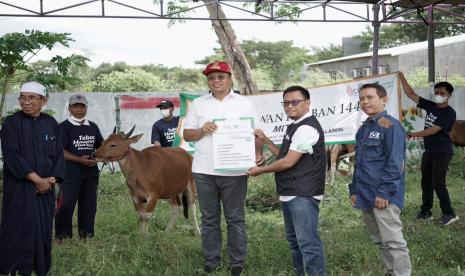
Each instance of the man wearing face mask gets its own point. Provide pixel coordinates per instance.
(81, 138)
(164, 130)
(438, 149)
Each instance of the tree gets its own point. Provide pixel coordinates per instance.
(47, 72)
(106, 68)
(227, 38)
(232, 49)
(325, 53)
(177, 78)
(418, 78)
(279, 60)
(16, 49)
(168, 78)
(405, 33)
(131, 80)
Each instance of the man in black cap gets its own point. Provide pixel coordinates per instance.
(164, 130)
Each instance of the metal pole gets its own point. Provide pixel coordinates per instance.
(431, 56)
(376, 24)
(117, 113)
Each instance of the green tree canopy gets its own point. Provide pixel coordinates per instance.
(280, 60)
(325, 53)
(131, 80)
(404, 33)
(153, 78)
(16, 50)
(106, 68)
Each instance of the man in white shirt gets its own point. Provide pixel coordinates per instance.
(216, 187)
(300, 180)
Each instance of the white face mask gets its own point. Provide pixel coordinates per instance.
(439, 99)
(77, 119)
(165, 113)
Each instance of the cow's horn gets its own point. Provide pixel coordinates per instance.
(114, 130)
(130, 132)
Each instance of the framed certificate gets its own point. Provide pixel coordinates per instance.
(234, 144)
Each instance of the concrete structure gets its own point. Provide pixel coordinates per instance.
(103, 110)
(351, 46)
(450, 59)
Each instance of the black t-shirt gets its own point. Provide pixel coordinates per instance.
(442, 117)
(164, 131)
(80, 140)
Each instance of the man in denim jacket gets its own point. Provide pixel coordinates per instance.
(378, 186)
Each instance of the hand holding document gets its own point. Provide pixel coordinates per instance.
(234, 144)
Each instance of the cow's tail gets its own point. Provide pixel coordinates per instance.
(185, 205)
(188, 196)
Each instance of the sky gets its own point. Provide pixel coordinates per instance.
(142, 41)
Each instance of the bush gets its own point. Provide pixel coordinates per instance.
(261, 194)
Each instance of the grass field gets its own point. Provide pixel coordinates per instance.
(119, 249)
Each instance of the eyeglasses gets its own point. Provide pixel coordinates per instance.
(219, 77)
(23, 99)
(294, 102)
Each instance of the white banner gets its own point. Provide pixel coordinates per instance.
(335, 106)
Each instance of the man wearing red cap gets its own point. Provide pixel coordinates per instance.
(33, 163)
(214, 187)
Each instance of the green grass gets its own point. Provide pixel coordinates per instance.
(119, 249)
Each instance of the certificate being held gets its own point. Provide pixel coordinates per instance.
(234, 144)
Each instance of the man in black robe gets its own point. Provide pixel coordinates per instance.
(33, 162)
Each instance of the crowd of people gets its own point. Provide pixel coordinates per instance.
(40, 153)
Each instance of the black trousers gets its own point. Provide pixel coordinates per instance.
(83, 191)
(434, 168)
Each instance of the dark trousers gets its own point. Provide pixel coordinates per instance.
(83, 191)
(212, 190)
(434, 168)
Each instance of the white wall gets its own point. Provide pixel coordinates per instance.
(101, 110)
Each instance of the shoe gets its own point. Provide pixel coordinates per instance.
(449, 219)
(425, 215)
(210, 269)
(236, 270)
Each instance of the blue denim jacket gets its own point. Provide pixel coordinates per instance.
(379, 163)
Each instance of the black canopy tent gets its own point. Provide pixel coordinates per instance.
(375, 12)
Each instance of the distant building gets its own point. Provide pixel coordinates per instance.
(449, 51)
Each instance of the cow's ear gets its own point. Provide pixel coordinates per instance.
(135, 138)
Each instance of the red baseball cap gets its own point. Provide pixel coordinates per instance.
(217, 66)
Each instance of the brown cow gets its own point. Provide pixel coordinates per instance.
(457, 134)
(151, 174)
(334, 153)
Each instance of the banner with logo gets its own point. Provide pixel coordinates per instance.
(335, 106)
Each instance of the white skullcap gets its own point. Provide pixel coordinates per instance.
(33, 87)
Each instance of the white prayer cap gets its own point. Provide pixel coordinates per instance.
(34, 87)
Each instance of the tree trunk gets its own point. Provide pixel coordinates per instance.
(232, 50)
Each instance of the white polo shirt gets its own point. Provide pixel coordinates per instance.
(303, 140)
(207, 108)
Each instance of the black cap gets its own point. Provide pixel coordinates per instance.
(165, 104)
